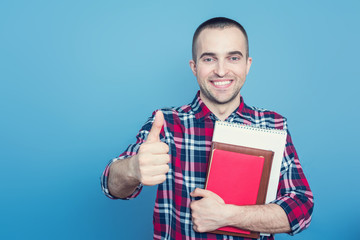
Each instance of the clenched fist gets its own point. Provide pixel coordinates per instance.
(153, 158)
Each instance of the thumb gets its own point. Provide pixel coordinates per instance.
(154, 134)
(198, 192)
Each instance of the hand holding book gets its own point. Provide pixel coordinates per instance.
(207, 213)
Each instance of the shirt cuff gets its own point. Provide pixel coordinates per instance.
(293, 212)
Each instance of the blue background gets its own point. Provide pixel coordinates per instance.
(79, 78)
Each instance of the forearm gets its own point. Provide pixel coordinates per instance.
(269, 218)
(122, 180)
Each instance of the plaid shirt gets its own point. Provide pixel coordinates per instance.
(188, 131)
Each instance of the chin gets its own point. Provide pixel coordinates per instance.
(224, 101)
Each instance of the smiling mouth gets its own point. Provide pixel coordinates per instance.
(221, 83)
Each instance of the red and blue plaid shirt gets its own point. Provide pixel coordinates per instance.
(188, 131)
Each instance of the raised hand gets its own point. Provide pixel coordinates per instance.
(153, 158)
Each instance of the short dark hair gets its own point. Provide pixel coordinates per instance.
(218, 22)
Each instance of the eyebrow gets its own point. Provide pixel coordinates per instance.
(207, 54)
(236, 52)
(213, 54)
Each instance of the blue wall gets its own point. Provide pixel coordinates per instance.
(78, 79)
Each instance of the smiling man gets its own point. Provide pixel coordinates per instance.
(172, 151)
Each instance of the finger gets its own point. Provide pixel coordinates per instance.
(156, 160)
(160, 170)
(151, 181)
(198, 192)
(195, 228)
(153, 160)
(154, 170)
(154, 148)
(162, 159)
(154, 134)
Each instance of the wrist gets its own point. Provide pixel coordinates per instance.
(233, 214)
(133, 170)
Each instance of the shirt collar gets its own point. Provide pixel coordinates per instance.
(201, 111)
(199, 108)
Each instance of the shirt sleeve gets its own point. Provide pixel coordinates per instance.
(131, 150)
(294, 194)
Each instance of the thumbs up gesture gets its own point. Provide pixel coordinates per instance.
(153, 158)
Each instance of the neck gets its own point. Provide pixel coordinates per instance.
(221, 111)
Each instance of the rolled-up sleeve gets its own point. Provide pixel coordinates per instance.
(294, 194)
(131, 150)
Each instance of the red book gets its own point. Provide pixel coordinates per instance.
(240, 176)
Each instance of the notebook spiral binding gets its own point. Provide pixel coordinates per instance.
(250, 127)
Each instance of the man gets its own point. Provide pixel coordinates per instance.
(172, 150)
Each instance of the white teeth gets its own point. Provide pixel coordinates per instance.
(221, 83)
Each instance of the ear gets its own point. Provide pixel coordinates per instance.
(248, 64)
(193, 66)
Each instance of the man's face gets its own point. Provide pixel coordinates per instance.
(221, 65)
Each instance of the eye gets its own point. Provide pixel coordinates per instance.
(234, 58)
(208, 59)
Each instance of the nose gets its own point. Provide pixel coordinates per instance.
(220, 69)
